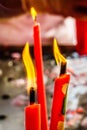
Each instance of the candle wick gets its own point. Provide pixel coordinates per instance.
(63, 68)
(35, 19)
(32, 95)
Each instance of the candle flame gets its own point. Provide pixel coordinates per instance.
(29, 66)
(33, 13)
(58, 56)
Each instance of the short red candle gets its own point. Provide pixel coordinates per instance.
(39, 74)
(32, 117)
(60, 89)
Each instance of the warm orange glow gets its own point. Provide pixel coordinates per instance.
(33, 13)
(29, 66)
(58, 56)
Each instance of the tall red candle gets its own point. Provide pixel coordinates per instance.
(39, 74)
(58, 105)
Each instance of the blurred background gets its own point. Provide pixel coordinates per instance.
(64, 20)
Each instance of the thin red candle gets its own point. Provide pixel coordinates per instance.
(39, 74)
(58, 105)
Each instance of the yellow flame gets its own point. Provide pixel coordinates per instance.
(28, 65)
(58, 56)
(33, 13)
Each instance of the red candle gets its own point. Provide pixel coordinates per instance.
(58, 105)
(39, 74)
(32, 111)
(32, 117)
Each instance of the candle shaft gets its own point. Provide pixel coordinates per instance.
(39, 73)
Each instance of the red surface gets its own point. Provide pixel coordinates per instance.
(58, 97)
(32, 117)
(81, 29)
(39, 74)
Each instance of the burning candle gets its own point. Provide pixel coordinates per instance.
(58, 105)
(59, 97)
(32, 111)
(39, 72)
(32, 114)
